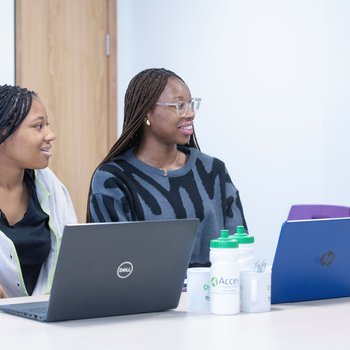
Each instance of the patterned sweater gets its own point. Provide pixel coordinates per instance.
(126, 189)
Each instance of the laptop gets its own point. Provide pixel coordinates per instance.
(312, 261)
(109, 269)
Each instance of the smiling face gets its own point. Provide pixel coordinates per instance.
(166, 126)
(29, 147)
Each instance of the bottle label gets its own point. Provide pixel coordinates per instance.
(225, 283)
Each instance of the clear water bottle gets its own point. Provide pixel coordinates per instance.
(246, 244)
(224, 275)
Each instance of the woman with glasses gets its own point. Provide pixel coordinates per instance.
(156, 170)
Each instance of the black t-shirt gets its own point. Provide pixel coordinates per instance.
(30, 235)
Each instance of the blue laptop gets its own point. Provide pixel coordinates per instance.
(312, 261)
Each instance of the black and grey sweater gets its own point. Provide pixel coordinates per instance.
(126, 189)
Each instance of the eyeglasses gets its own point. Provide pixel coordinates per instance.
(182, 107)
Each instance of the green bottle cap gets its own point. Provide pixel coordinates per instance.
(242, 237)
(224, 241)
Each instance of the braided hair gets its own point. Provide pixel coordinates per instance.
(141, 95)
(15, 104)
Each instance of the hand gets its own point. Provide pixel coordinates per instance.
(2, 292)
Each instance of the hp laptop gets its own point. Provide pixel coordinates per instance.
(108, 269)
(312, 261)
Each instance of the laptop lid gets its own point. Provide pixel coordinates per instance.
(107, 269)
(312, 260)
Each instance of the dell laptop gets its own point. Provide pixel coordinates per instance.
(108, 269)
(312, 261)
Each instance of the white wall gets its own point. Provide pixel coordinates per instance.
(274, 79)
(275, 84)
(7, 40)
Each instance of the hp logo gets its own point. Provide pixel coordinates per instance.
(327, 258)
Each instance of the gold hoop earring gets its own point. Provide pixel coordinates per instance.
(148, 123)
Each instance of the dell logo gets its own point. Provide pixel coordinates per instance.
(327, 258)
(125, 269)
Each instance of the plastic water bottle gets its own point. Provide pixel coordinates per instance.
(246, 244)
(224, 275)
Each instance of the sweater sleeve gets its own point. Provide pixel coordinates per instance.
(109, 200)
(234, 215)
(109, 207)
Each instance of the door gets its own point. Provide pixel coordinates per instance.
(65, 51)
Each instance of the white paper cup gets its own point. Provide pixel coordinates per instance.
(198, 289)
(255, 291)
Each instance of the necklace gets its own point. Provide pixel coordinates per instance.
(164, 170)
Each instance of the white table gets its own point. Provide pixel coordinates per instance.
(309, 325)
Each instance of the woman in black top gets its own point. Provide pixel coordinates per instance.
(30, 224)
